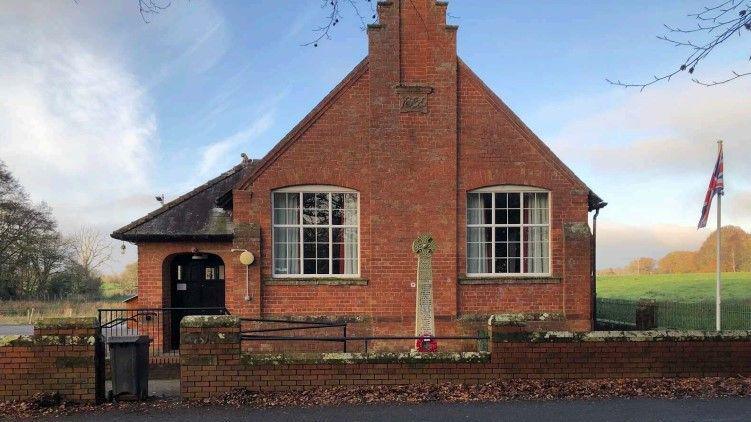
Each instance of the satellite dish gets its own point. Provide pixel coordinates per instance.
(247, 258)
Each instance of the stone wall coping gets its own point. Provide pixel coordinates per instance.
(46, 340)
(210, 321)
(331, 319)
(315, 281)
(519, 318)
(470, 280)
(67, 322)
(622, 336)
(250, 359)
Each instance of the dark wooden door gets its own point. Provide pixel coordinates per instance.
(197, 282)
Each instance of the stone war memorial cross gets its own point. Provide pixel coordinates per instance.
(424, 246)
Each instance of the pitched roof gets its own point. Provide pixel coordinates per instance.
(192, 216)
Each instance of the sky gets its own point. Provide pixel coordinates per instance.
(100, 111)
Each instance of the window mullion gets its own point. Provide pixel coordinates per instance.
(492, 233)
(331, 233)
(522, 267)
(300, 260)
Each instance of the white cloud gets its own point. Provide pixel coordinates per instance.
(666, 130)
(216, 157)
(618, 244)
(75, 126)
(650, 155)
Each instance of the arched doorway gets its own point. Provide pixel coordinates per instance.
(196, 284)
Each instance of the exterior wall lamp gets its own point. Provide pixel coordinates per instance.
(246, 258)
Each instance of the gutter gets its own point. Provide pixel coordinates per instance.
(173, 237)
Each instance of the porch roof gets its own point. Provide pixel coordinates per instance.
(203, 214)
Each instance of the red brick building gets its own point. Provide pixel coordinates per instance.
(410, 142)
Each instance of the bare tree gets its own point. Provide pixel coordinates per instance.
(715, 25)
(90, 250)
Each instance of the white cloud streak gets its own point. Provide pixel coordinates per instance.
(216, 157)
(669, 130)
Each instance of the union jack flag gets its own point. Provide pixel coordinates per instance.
(716, 187)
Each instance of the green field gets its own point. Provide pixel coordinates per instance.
(684, 301)
(674, 287)
(30, 311)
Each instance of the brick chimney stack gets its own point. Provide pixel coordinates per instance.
(413, 40)
(412, 66)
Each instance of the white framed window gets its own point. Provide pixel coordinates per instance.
(316, 232)
(508, 231)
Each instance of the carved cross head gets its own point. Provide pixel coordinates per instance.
(424, 244)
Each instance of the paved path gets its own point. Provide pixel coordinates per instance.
(731, 409)
(16, 329)
(157, 388)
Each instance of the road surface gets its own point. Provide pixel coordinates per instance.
(728, 409)
(16, 329)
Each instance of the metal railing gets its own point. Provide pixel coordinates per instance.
(260, 334)
(616, 312)
(365, 339)
(700, 315)
(161, 325)
(287, 325)
(735, 315)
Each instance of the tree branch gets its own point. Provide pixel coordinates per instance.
(335, 15)
(715, 23)
(151, 7)
(735, 76)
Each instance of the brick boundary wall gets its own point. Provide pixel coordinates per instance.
(58, 358)
(212, 361)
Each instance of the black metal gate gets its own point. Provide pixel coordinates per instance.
(99, 366)
(156, 323)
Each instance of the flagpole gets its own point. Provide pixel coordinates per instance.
(718, 283)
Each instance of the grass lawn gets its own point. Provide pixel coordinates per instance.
(113, 292)
(674, 287)
(29, 311)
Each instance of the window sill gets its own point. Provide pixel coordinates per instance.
(510, 280)
(315, 281)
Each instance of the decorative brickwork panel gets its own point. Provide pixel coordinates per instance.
(413, 99)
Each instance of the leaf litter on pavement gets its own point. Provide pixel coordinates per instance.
(51, 405)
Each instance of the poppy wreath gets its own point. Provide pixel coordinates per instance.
(426, 344)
